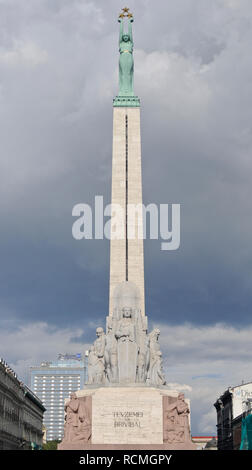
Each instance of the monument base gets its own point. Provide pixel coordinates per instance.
(69, 446)
(130, 417)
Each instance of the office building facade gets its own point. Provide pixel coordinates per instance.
(53, 382)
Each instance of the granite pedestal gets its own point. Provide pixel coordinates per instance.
(129, 417)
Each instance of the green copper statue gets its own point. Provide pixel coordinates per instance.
(126, 62)
(126, 95)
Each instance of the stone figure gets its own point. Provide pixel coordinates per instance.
(143, 362)
(126, 61)
(127, 347)
(176, 421)
(95, 368)
(77, 419)
(71, 418)
(126, 330)
(84, 414)
(99, 350)
(111, 355)
(99, 344)
(156, 375)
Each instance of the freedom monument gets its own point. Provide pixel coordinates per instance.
(126, 403)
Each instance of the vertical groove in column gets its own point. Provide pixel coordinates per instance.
(126, 194)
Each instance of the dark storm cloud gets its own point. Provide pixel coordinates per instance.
(58, 65)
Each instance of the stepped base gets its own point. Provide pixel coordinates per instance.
(189, 446)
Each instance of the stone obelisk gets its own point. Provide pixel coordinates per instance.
(126, 254)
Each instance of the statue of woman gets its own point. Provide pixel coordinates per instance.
(126, 62)
(126, 330)
(127, 347)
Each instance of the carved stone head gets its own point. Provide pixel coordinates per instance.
(127, 312)
(109, 325)
(99, 331)
(126, 295)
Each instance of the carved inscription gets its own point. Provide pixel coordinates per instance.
(127, 419)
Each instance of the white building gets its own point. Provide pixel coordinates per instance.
(53, 382)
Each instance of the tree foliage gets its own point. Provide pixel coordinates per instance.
(51, 445)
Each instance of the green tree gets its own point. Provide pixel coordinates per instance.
(51, 445)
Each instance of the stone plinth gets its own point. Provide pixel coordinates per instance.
(123, 416)
(131, 417)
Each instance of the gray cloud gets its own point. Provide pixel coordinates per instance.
(209, 359)
(201, 361)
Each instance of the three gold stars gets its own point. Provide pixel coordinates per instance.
(126, 13)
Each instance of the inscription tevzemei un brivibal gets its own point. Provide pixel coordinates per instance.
(128, 421)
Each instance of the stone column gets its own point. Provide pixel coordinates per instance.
(126, 256)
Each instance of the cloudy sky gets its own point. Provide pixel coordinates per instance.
(193, 74)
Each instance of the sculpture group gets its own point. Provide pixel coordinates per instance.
(126, 353)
